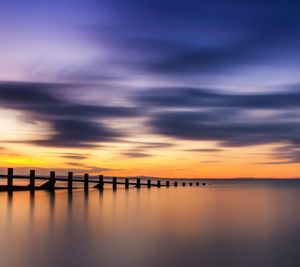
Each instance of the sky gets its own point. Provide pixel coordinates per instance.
(157, 88)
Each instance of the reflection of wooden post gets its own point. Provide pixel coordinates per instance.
(52, 180)
(175, 184)
(32, 179)
(70, 181)
(167, 183)
(183, 183)
(10, 177)
(138, 183)
(149, 183)
(158, 183)
(114, 183)
(86, 182)
(126, 183)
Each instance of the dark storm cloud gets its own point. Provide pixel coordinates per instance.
(46, 100)
(202, 98)
(232, 120)
(170, 39)
(73, 124)
(253, 48)
(191, 37)
(226, 129)
(78, 133)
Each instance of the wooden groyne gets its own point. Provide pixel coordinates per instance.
(50, 182)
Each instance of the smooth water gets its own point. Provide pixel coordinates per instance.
(233, 224)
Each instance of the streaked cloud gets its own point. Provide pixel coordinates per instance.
(72, 124)
(152, 81)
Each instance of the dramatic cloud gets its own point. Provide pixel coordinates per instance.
(120, 71)
(205, 98)
(194, 38)
(73, 124)
(230, 119)
(227, 130)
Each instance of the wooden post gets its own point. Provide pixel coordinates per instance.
(175, 184)
(183, 183)
(52, 180)
(138, 183)
(167, 183)
(32, 179)
(70, 181)
(50, 185)
(191, 184)
(149, 183)
(101, 182)
(197, 183)
(126, 183)
(10, 177)
(100, 185)
(158, 183)
(86, 182)
(114, 183)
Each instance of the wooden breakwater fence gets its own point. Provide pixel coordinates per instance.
(50, 182)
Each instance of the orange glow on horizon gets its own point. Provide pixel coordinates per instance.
(164, 164)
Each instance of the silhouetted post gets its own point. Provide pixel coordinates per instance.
(114, 183)
(138, 183)
(50, 185)
(175, 184)
(52, 180)
(10, 177)
(70, 181)
(191, 184)
(101, 182)
(148, 183)
(86, 182)
(127, 183)
(158, 183)
(32, 179)
(167, 183)
(197, 183)
(183, 183)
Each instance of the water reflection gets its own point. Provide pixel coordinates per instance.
(216, 226)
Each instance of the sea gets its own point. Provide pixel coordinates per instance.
(244, 223)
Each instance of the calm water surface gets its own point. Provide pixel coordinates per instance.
(226, 224)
